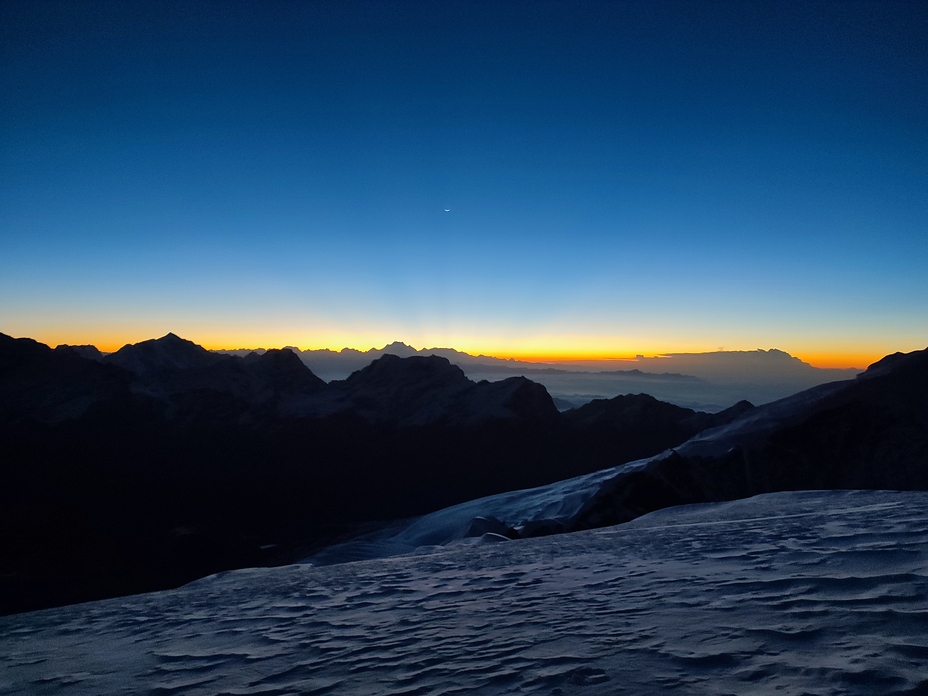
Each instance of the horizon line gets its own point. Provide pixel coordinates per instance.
(822, 359)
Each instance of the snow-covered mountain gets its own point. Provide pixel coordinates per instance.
(799, 592)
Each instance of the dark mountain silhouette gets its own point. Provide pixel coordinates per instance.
(91, 352)
(642, 422)
(163, 462)
(412, 391)
(164, 355)
(48, 385)
(634, 410)
(283, 373)
(420, 391)
(191, 380)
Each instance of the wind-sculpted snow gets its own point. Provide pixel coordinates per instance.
(819, 593)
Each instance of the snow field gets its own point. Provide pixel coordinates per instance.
(813, 592)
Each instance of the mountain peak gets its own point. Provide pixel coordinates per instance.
(85, 351)
(416, 369)
(168, 352)
(399, 348)
(283, 369)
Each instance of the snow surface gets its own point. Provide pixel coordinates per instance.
(561, 499)
(795, 593)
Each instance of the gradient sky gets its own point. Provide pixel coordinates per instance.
(622, 178)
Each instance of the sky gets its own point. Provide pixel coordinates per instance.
(522, 179)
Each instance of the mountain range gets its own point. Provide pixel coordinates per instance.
(703, 381)
(867, 433)
(163, 461)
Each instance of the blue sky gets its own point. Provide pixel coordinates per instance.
(621, 177)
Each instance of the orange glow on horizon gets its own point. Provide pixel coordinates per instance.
(822, 360)
(859, 361)
(534, 351)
